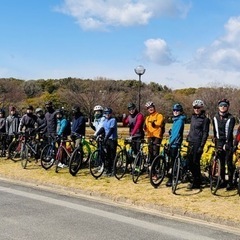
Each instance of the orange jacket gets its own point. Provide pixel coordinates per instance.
(154, 124)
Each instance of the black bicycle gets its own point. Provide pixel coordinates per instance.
(180, 170)
(124, 159)
(159, 167)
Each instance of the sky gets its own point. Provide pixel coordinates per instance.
(180, 43)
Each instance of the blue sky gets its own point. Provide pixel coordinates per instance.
(181, 43)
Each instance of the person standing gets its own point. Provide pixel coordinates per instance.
(154, 128)
(98, 119)
(176, 137)
(135, 122)
(109, 130)
(223, 126)
(197, 137)
(78, 125)
(51, 119)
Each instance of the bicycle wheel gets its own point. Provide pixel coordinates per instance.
(14, 150)
(96, 164)
(120, 164)
(47, 156)
(137, 167)
(24, 155)
(157, 171)
(75, 161)
(214, 175)
(175, 174)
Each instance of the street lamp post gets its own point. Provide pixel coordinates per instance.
(139, 70)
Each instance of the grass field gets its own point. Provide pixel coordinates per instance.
(223, 208)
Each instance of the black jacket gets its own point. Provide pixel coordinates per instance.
(199, 129)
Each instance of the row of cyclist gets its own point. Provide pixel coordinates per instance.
(105, 125)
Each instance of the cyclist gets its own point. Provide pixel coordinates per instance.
(3, 130)
(197, 137)
(12, 124)
(109, 129)
(154, 129)
(176, 137)
(223, 126)
(78, 124)
(98, 118)
(135, 121)
(41, 120)
(28, 122)
(51, 119)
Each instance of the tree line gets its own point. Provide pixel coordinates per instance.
(116, 94)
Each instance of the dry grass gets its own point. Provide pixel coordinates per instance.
(223, 208)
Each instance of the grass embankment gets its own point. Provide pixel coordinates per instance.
(223, 208)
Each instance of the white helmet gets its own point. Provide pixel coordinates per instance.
(198, 103)
(149, 104)
(38, 110)
(98, 108)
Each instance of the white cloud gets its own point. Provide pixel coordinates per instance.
(102, 14)
(157, 51)
(223, 53)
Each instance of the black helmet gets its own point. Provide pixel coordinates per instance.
(131, 106)
(178, 107)
(224, 100)
(76, 109)
(30, 107)
(107, 110)
(48, 104)
(2, 111)
(59, 111)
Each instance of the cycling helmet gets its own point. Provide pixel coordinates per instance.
(198, 103)
(76, 109)
(59, 111)
(107, 110)
(224, 100)
(149, 104)
(98, 108)
(38, 110)
(131, 106)
(30, 107)
(178, 107)
(48, 103)
(2, 111)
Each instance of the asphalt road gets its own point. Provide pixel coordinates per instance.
(31, 213)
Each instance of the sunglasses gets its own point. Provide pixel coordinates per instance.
(195, 107)
(176, 110)
(223, 105)
(131, 109)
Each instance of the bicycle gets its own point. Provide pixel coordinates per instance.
(3, 142)
(214, 169)
(14, 148)
(63, 153)
(80, 155)
(236, 174)
(123, 159)
(180, 170)
(159, 167)
(48, 153)
(141, 162)
(29, 147)
(98, 158)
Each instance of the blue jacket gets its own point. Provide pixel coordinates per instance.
(79, 125)
(176, 136)
(61, 126)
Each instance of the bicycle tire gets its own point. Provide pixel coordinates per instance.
(96, 164)
(137, 167)
(47, 156)
(75, 161)
(24, 155)
(176, 174)
(14, 150)
(214, 175)
(157, 171)
(120, 164)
